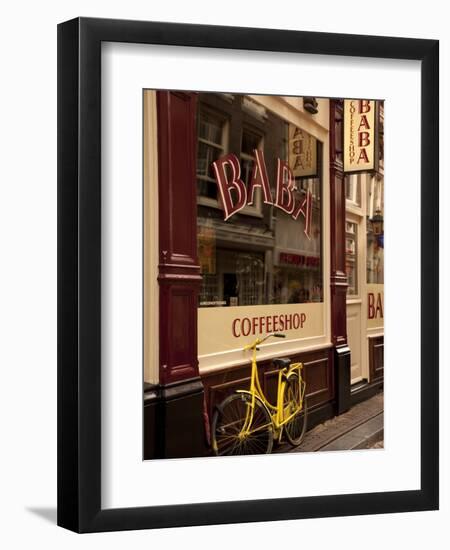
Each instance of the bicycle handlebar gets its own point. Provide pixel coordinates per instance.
(260, 341)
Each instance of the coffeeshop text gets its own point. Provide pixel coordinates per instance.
(244, 326)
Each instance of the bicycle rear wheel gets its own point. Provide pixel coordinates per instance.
(294, 429)
(228, 421)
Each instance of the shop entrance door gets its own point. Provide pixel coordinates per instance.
(355, 258)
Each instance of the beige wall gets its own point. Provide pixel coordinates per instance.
(224, 331)
(151, 291)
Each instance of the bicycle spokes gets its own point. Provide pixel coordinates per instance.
(241, 427)
(295, 405)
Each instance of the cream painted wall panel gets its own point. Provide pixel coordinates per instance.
(151, 290)
(223, 331)
(354, 341)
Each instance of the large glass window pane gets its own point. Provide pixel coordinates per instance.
(250, 142)
(210, 147)
(353, 189)
(375, 231)
(351, 257)
(274, 257)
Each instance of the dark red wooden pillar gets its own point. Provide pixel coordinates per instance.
(338, 272)
(180, 414)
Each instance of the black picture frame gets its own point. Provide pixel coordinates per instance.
(79, 274)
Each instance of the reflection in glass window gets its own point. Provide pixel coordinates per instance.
(238, 279)
(353, 184)
(351, 257)
(250, 142)
(256, 259)
(375, 231)
(211, 138)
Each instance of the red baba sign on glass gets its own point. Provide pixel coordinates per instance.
(235, 195)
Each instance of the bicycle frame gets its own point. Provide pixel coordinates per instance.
(277, 411)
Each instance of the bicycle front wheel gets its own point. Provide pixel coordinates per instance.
(294, 429)
(229, 418)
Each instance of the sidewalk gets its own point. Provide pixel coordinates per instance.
(359, 428)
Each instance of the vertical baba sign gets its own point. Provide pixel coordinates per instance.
(302, 153)
(360, 135)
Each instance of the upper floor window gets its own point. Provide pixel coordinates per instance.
(212, 129)
(259, 211)
(353, 189)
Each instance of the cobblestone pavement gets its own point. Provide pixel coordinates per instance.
(329, 434)
(377, 445)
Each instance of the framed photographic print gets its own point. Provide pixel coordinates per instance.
(237, 339)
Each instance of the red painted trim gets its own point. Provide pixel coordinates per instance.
(179, 273)
(338, 279)
(177, 177)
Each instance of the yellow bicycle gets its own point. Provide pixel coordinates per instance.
(247, 423)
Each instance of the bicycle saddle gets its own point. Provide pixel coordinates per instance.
(281, 362)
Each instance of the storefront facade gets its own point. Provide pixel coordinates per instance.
(364, 243)
(250, 227)
(365, 271)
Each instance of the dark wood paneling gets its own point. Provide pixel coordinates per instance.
(174, 424)
(217, 386)
(318, 375)
(178, 331)
(270, 385)
(376, 358)
(179, 273)
(318, 380)
(338, 278)
(150, 418)
(342, 366)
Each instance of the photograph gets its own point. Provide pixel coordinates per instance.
(206, 336)
(222, 273)
(268, 267)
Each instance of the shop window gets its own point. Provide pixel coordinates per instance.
(353, 189)
(381, 137)
(351, 257)
(375, 230)
(275, 256)
(239, 279)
